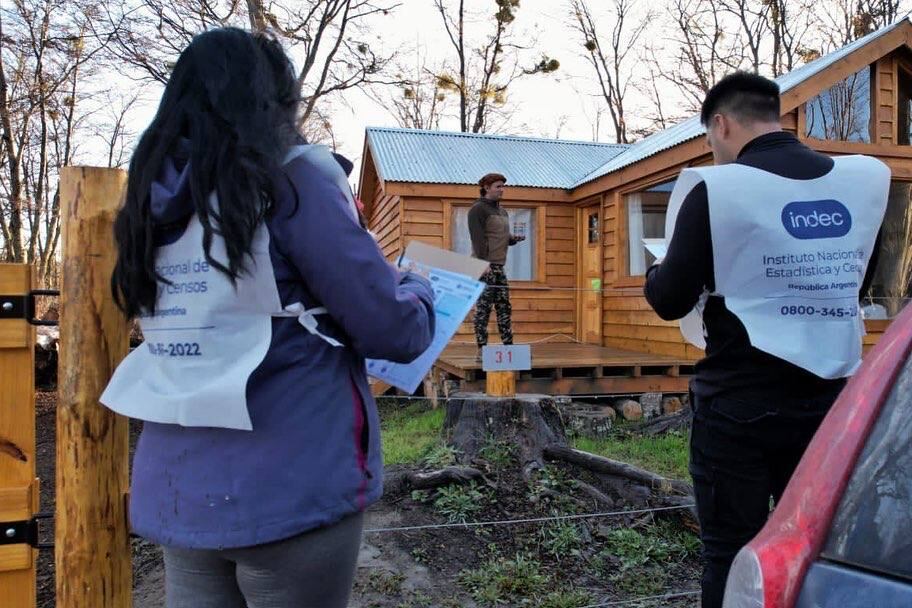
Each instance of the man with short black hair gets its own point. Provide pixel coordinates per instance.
(766, 259)
(489, 229)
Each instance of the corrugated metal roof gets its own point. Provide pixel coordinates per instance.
(691, 128)
(436, 157)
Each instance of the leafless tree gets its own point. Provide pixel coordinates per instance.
(46, 59)
(113, 127)
(658, 115)
(420, 102)
(329, 35)
(483, 74)
(752, 18)
(704, 51)
(846, 20)
(609, 56)
(791, 24)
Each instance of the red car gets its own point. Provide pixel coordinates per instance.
(842, 533)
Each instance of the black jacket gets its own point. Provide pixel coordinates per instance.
(732, 366)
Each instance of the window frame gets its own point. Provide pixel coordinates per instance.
(624, 278)
(539, 208)
(802, 125)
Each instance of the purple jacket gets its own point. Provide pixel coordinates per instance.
(313, 456)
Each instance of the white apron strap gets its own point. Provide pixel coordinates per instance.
(307, 317)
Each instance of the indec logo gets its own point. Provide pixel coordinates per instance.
(825, 219)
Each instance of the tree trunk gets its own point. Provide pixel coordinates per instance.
(529, 422)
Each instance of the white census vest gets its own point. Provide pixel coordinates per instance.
(207, 336)
(790, 255)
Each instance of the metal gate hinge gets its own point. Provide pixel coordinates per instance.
(24, 532)
(23, 306)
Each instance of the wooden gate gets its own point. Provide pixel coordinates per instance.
(18, 485)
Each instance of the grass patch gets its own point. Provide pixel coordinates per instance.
(458, 503)
(499, 581)
(387, 583)
(410, 433)
(663, 454)
(636, 561)
(521, 581)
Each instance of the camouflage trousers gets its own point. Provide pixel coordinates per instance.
(496, 295)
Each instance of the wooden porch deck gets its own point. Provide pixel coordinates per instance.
(576, 369)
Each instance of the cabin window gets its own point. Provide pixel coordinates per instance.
(904, 109)
(645, 220)
(521, 258)
(890, 286)
(593, 228)
(842, 112)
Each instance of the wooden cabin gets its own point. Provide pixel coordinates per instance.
(587, 206)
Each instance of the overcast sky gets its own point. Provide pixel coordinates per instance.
(555, 105)
(558, 104)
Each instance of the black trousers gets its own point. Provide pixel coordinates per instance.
(742, 454)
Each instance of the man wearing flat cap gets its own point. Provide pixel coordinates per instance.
(489, 228)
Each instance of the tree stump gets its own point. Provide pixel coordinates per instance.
(533, 427)
(529, 422)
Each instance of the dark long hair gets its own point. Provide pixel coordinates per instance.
(234, 96)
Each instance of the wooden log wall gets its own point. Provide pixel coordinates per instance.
(385, 223)
(538, 312)
(885, 103)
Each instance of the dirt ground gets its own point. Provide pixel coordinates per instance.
(562, 565)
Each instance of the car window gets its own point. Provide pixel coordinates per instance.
(872, 528)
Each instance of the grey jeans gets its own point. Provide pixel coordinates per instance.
(311, 570)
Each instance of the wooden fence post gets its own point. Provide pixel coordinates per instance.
(18, 486)
(92, 551)
(500, 384)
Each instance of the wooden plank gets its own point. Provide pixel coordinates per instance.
(553, 256)
(470, 193)
(560, 222)
(877, 325)
(387, 217)
(560, 248)
(561, 210)
(679, 350)
(378, 387)
(422, 217)
(92, 552)
(595, 386)
(434, 241)
(423, 204)
(410, 229)
(562, 281)
(554, 270)
(644, 332)
(14, 333)
(636, 317)
(15, 502)
(14, 561)
(539, 316)
(14, 280)
(520, 304)
(17, 439)
(562, 233)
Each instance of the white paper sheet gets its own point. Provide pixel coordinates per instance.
(656, 247)
(454, 296)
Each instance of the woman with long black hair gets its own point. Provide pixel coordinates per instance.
(259, 296)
